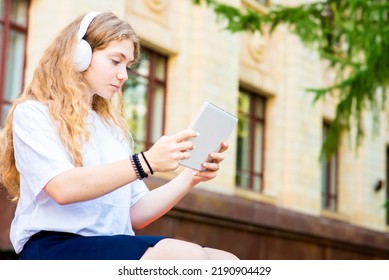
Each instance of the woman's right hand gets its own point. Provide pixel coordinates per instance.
(164, 155)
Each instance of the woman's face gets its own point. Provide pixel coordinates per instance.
(108, 69)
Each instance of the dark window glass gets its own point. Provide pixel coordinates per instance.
(329, 184)
(251, 123)
(13, 37)
(387, 188)
(144, 97)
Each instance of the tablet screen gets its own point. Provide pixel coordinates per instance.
(214, 125)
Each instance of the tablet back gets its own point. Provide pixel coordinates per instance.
(214, 125)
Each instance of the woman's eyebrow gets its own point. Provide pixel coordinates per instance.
(124, 56)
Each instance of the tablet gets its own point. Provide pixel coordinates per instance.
(214, 125)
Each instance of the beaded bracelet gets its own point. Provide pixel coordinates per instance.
(139, 167)
(135, 168)
(147, 162)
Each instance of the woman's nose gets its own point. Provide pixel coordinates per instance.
(122, 75)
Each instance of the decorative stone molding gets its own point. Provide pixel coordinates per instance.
(156, 6)
(256, 46)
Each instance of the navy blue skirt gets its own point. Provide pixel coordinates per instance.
(49, 245)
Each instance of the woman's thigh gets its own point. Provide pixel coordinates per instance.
(216, 254)
(173, 249)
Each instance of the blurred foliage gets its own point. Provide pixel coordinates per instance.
(353, 36)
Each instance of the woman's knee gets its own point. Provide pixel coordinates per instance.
(216, 254)
(176, 249)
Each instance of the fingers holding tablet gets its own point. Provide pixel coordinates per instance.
(214, 126)
(203, 143)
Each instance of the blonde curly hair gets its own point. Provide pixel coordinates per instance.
(65, 91)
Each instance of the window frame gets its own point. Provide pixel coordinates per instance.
(330, 199)
(387, 188)
(253, 120)
(153, 82)
(9, 26)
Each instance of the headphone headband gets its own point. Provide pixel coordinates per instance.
(85, 24)
(83, 51)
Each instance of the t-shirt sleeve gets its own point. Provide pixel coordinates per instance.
(138, 190)
(39, 152)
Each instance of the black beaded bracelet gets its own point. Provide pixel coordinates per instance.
(147, 162)
(139, 167)
(135, 168)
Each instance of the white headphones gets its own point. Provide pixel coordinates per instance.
(83, 51)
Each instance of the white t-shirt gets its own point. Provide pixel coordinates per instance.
(40, 156)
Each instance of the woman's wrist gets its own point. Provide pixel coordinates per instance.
(146, 163)
(144, 160)
(190, 176)
(141, 165)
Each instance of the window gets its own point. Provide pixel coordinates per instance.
(144, 98)
(387, 188)
(13, 35)
(329, 178)
(251, 127)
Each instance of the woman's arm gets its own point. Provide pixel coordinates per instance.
(85, 183)
(159, 201)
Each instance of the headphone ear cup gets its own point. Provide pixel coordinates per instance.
(82, 56)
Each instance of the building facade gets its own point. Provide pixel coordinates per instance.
(273, 198)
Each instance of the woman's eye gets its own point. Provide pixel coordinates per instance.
(115, 62)
(128, 70)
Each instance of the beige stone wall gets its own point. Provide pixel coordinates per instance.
(361, 170)
(207, 63)
(48, 17)
(203, 64)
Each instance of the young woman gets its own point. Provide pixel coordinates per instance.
(66, 156)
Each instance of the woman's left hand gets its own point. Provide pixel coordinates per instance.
(212, 167)
(160, 200)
